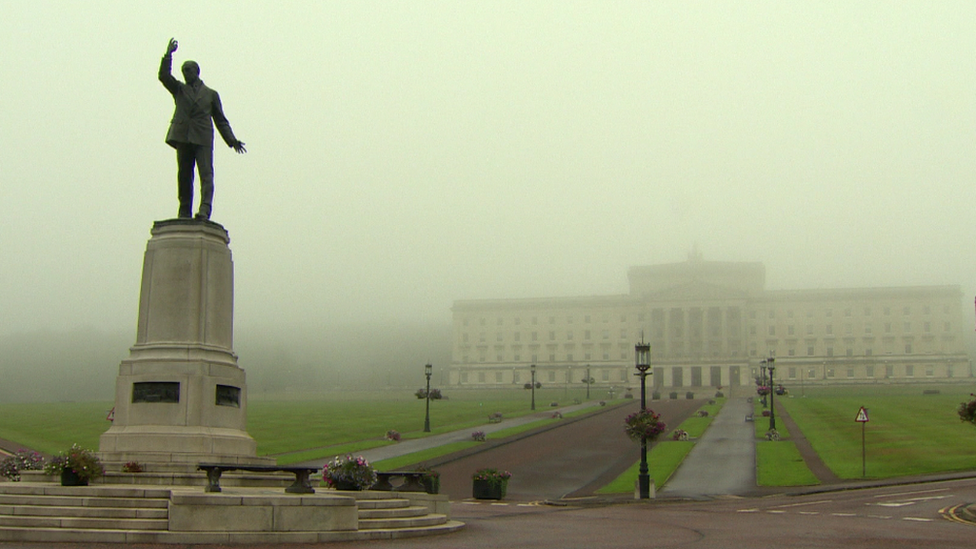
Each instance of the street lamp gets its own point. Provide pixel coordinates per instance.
(642, 359)
(428, 370)
(589, 381)
(772, 409)
(532, 369)
(763, 370)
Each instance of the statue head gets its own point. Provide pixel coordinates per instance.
(191, 72)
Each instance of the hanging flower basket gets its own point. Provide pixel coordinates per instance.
(349, 473)
(644, 425)
(762, 390)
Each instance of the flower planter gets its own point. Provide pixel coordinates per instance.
(71, 478)
(346, 485)
(485, 489)
(432, 485)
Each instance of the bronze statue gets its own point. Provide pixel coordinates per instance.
(191, 131)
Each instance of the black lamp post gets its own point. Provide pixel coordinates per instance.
(642, 359)
(532, 369)
(763, 370)
(772, 391)
(428, 370)
(589, 381)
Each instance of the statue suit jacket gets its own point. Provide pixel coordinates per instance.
(196, 106)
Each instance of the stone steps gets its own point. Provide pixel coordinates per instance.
(83, 508)
(46, 512)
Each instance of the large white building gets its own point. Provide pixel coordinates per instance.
(709, 325)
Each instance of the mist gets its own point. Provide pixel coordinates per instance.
(402, 156)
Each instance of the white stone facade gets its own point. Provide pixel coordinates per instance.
(709, 325)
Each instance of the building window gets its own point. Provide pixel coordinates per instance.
(909, 370)
(847, 311)
(772, 313)
(927, 310)
(830, 372)
(908, 348)
(498, 336)
(867, 311)
(792, 352)
(809, 329)
(889, 370)
(850, 372)
(518, 320)
(498, 358)
(927, 327)
(929, 371)
(552, 357)
(789, 329)
(481, 377)
(569, 335)
(907, 310)
(908, 326)
(517, 336)
(623, 334)
(606, 334)
(586, 356)
(586, 319)
(516, 377)
(752, 330)
(848, 328)
(498, 377)
(569, 357)
(810, 351)
(829, 329)
(605, 375)
(887, 327)
(552, 336)
(535, 336)
(869, 371)
(867, 328)
(867, 352)
(586, 334)
(535, 358)
(517, 357)
(830, 351)
(606, 355)
(772, 330)
(850, 352)
(552, 377)
(792, 372)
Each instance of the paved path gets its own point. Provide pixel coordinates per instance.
(463, 435)
(723, 462)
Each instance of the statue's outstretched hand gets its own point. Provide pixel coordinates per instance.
(173, 44)
(239, 147)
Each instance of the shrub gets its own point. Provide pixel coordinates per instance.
(132, 467)
(11, 466)
(702, 413)
(82, 461)
(679, 434)
(478, 436)
(719, 394)
(356, 471)
(689, 395)
(557, 415)
(393, 435)
(967, 410)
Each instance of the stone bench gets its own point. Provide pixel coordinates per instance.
(300, 486)
(412, 481)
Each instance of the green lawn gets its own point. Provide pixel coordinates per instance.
(662, 461)
(907, 434)
(398, 463)
(292, 430)
(779, 464)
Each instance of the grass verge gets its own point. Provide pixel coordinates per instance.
(662, 461)
(780, 464)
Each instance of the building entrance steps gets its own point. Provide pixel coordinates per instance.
(723, 462)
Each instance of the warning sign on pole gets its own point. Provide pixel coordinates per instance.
(862, 415)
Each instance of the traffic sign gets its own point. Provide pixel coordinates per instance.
(862, 415)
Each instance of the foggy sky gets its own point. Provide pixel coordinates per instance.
(402, 155)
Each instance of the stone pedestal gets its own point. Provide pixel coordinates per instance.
(180, 397)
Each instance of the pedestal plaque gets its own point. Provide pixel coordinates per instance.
(180, 397)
